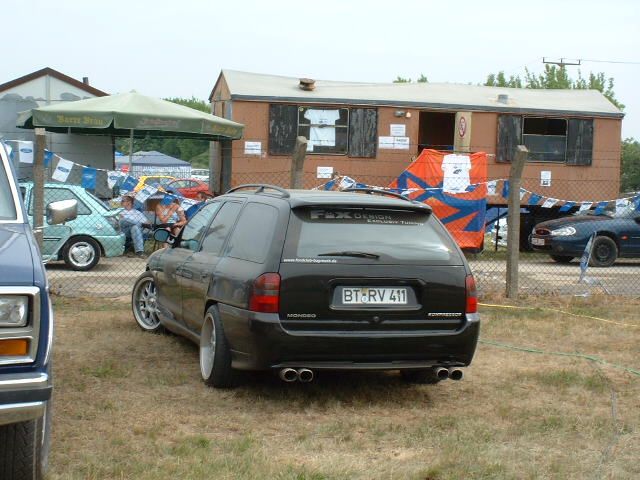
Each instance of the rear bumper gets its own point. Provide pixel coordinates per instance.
(23, 396)
(258, 342)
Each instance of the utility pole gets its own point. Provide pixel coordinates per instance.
(561, 63)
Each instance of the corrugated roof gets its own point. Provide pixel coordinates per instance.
(255, 86)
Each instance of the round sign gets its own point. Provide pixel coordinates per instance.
(462, 126)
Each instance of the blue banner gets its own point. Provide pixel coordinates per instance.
(129, 184)
(567, 206)
(89, 176)
(48, 156)
(600, 207)
(505, 189)
(534, 199)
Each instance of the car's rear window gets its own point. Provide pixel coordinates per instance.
(365, 235)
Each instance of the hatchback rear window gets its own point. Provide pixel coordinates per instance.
(364, 235)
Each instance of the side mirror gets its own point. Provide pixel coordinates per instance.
(62, 211)
(164, 236)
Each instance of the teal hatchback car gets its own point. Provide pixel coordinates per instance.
(81, 242)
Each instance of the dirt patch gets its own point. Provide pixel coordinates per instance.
(131, 405)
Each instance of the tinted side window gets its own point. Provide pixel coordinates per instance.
(252, 236)
(220, 228)
(57, 194)
(197, 225)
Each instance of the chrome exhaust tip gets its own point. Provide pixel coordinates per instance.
(288, 375)
(441, 373)
(305, 375)
(456, 374)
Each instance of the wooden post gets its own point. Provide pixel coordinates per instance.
(215, 167)
(225, 165)
(297, 163)
(38, 186)
(513, 220)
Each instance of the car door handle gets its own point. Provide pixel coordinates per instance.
(186, 273)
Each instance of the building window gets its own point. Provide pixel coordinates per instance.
(330, 131)
(327, 129)
(545, 138)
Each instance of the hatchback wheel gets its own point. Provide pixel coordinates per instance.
(144, 302)
(81, 253)
(215, 355)
(603, 252)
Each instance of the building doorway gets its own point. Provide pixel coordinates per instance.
(436, 130)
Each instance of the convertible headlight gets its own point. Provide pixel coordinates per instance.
(563, 232)
(14, 310)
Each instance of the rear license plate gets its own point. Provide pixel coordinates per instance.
(537, 241)
(374, 296)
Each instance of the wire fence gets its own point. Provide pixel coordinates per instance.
(100, 253)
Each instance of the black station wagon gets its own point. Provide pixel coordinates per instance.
(295, 281)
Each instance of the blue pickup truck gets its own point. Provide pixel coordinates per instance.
(26, 334)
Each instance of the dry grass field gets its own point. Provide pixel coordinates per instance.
(130, 405)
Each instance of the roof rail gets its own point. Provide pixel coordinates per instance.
(260, 188)
(379, 191)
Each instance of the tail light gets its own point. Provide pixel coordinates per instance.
(472, 294)
(265, 294)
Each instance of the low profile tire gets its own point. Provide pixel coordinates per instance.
(24, 449)
(144, 303)
(604, 252)
(215, 355)
(81, 253)
(425, 376)
(561, 258)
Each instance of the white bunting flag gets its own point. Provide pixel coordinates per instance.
(621, 205)
(585, 206)
(112, 178)
(346, 182)
(492, 187)
(549, 202)
(63, 169)
(25, 150)
(145, 193)
(523, 192)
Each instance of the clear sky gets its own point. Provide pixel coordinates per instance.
(177, 48)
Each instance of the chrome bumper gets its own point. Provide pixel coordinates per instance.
(27, 396)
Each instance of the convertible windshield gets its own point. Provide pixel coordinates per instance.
(7, 205)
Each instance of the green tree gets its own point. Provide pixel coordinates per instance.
(185, 149)
(557, 77)
(421, 79)
(630, 180)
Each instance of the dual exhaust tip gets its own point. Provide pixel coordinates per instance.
(452, 373)
(305, 375)
(302, 375)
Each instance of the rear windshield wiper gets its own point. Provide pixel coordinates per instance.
(349, 253)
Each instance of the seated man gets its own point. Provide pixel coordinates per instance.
(132, 222)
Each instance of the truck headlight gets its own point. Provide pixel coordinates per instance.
(14, 310)
(563, 232)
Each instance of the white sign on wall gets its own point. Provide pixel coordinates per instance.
(252, 148)
(324, 172)
(545, 178)
(397, 130)
(394, 143)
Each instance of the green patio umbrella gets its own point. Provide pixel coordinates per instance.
(130, 115)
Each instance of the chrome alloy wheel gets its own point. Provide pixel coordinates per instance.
(207, 346)
(145, 304)
(82, 254)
